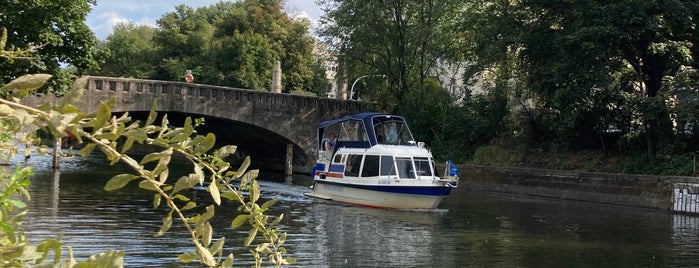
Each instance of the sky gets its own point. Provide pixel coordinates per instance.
(108, 13)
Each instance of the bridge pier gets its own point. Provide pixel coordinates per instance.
(289, 159)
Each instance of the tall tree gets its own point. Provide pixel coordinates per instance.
(57, 30)
(402, 40)
(236, 44)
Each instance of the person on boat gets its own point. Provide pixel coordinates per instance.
(329, 145)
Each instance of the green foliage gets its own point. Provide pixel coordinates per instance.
(229, 43)
(131, 52)
(676, 164)
(586, 66)
(403, 40)
(55, 30)
(454, 130)
(114, 136)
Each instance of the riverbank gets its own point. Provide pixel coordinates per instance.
(674, 193)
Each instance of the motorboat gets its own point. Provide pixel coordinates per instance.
(371, 159)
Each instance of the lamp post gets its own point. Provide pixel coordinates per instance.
(351, 96)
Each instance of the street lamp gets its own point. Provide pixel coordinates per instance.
(351, 96)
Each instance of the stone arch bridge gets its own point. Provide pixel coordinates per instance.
(263, 125)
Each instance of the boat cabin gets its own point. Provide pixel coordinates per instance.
(363, 130)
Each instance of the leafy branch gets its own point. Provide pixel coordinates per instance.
(114, 136)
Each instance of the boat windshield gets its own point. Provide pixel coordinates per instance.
(394, 132)
(352, 130)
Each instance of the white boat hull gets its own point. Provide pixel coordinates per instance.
(397, 197)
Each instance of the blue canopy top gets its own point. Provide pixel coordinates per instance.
(364, 130)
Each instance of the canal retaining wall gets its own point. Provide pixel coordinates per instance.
(674, 193)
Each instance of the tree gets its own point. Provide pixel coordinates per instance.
(131, 52)
(236, 44)
(583, 60)
(56, 30)
(402, 40)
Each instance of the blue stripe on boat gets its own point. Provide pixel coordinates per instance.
(416, 190)
(336, 168)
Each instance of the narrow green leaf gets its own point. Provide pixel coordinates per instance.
(189, 205)
(269, 203)
(209, 213)
(282, 239)
(75, 92)
(188, 124)
(244, 166)
(27, 82)
(251, 235)
(157, 156)
(156, 200)
(239, 220)
(277, 220)
(111, 155)
(139, 135)
(162, 171)
(152, 115)
(263, 248)
(215, 193)
(17, 203)
(147, 185)
(179, 138)
(119, 181)
(254, 192)
(167, 223)
(185, 182)
(249, 176)
(127, 145)
(227, 150)
(218, 246)
(188, 257)
(232, 196)
(207, 234)
(87, 150)
(206, 257)
(180, 197)
(228, 262)
(104, 112)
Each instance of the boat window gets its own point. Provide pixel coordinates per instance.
(352, 131)
(387, 166)
(423, 166)
(393, 132)
(353, 164)
(337, 159)
(405, 168)
(371, 166)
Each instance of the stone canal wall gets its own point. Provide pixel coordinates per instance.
(674, 193)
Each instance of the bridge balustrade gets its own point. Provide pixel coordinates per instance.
(269, 100)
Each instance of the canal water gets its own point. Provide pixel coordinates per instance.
(469, 229)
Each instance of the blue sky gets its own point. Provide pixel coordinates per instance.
(108, 13)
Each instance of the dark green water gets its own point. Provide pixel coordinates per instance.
(470, 229)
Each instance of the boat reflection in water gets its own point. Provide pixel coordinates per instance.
(375, 162)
